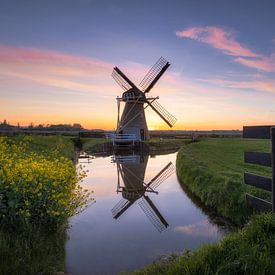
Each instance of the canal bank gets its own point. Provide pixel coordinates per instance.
(212, 169)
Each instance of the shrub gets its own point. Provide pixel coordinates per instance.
(37, 186)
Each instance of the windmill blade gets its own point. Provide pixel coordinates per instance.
(153, 214)
(163, 175)
(154, 75)
(122, 79)
(121, 207)
(162, 112)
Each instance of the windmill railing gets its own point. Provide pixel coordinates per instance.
(122, 137)
(125, 159)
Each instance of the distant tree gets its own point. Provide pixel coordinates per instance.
(77, 126)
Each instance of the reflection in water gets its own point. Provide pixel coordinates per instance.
(130, 182)
(201, 228)
(102, 241)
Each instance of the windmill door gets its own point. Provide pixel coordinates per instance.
(142, 134)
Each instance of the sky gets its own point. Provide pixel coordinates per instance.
(57, 56)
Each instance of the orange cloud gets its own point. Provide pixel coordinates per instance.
(217, 38)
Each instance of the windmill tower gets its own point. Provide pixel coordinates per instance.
(133, 119)
(131, 172)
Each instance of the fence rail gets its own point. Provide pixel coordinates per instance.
(264, 159)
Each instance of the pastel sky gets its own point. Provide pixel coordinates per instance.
(56, 60)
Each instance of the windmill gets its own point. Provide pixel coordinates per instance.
(133, 120)
(131, 172)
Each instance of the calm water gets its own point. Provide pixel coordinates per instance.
(130, 228)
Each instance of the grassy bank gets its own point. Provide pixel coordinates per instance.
(213, 170)
(248, 251)
(166, 144)
(89, 145)
(39, 190)
(32, 250)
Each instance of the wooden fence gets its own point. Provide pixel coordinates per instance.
(259, 158)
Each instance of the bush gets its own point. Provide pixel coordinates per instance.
(38, 186)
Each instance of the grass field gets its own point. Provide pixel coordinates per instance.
(212, 169)
(89, 144)
(166, 144)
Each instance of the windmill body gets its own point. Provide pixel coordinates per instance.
(132, 174)
(132, 122)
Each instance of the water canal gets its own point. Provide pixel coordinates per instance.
(141, 213)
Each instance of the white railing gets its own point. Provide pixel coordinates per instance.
(125, 159)
(122, 137)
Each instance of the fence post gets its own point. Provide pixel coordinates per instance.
(272, 135)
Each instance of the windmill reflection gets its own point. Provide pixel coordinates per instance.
(131, 172)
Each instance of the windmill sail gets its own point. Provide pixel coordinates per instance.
(121, 207)
(154, 75)
(121, 81)
(164, 174)
(124, 77)
(153, 214)
(162, 112)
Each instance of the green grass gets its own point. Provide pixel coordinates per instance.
(89, 144)
(163, 144)
(212, 169)
(45, 145)
(248, 251)
(32, 251)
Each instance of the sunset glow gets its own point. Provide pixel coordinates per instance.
(57, 69)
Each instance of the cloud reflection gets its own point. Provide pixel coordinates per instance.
(198, 229)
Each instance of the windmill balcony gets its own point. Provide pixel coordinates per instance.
(123, 138)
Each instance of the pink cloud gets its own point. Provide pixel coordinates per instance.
(217, 38)
(257, 85)
(53, 69)
(226, 42)
(198, 229)
(13, 54)
(265, 64)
